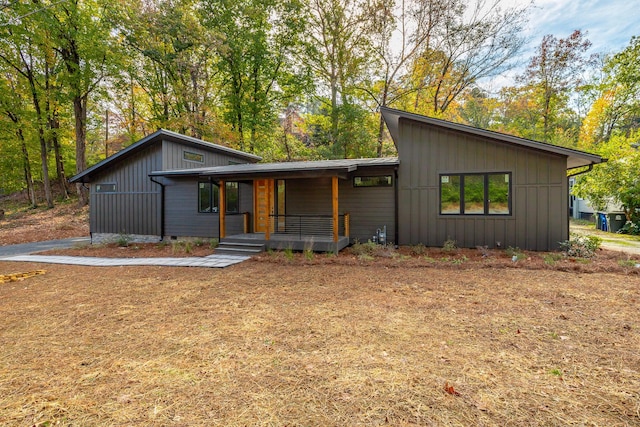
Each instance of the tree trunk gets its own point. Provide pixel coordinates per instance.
(80, 113)
(26, 165)
(54, 125)
(48, 195)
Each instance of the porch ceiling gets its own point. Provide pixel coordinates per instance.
(306, 169)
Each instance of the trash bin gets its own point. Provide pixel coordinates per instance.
(601, 221)
(616, 220)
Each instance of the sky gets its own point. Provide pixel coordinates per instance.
(609, 24)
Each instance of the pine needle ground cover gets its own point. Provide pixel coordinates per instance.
(265, 343)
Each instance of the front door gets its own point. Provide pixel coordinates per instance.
(263, 201)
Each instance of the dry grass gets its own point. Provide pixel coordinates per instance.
(265, 343)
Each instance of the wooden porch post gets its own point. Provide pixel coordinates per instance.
(222, 208)
(267, 231)
(334, 198)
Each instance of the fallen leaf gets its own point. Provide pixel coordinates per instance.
(449, 389)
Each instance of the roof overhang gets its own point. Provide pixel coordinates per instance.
(305, 169)
(575, 158)
(160, 135)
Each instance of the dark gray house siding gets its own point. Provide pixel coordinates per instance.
(173, 157)
(538, 219)
(134, 206)
(182, 218)
(370, 208)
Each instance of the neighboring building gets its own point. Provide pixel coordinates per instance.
(450, 181)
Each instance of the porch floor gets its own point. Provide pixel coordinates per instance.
(281, 241)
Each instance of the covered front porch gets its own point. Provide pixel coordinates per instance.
(316, 205)
(272, 227)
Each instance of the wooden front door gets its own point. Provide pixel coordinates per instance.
(263, 205)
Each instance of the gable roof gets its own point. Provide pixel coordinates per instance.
(159, 135)
(318, 168)
(575, 158)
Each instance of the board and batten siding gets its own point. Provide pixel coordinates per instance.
(134, 208)
(370, 208)
(173, 157)
(182, 218)
(539, 191)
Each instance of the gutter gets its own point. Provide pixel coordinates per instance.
(589, 169)
(162, 186)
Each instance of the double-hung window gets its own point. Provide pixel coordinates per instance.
(209, 197)
(475, 194)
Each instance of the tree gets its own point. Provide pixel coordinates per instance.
(257, 43)
(615, 181)
(81, 36)
(617, 103)
(21, 51)
(338, 48)
(552, 73)
(14, 108)
(474, 41)
(169, 78)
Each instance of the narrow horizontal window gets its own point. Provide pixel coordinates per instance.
(372, 181)
(106, 188)
(475, 194)
(193, 157)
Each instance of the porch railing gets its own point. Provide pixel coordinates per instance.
(308, 225)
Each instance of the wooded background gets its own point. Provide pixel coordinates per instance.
(296, 79)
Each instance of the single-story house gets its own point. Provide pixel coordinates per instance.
(449, 181)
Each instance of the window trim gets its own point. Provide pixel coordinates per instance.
(486, 211)
(194, 154)
(379, 184)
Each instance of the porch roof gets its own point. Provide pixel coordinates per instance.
(303, 169)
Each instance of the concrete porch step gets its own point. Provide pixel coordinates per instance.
(236, 248)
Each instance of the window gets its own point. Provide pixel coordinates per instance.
(208, 197)
(106, 188)
(372, 181)
(193, 157)
(232, 204)
(475, 194)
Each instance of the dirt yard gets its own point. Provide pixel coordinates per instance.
(430, 338)
(265, 343)
(62, 222)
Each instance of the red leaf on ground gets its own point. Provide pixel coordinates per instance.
(449, 389)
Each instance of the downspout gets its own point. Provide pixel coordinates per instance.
(161, 206)
(395, 213)
(84, 184)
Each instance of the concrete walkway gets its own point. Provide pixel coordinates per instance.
(22, 253)
(211, 261)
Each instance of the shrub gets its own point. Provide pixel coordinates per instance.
(369, 248)
(581, 246)
(515, 253)
(630, 228)
(449, 245)
(123, 240)
(308, 254)
(288, 253)
(418, 249)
